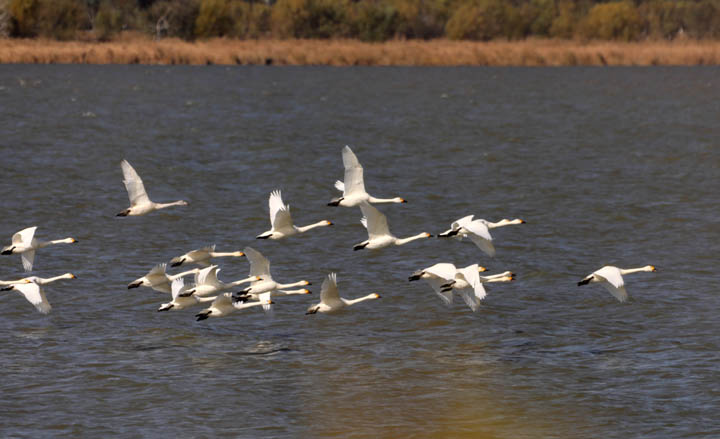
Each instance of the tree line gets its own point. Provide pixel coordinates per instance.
(366, 20)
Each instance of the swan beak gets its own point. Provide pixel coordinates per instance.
(377, 296)
(73, 241)
(481, 269)
(330, 223)
(523, 221)
(403, 200)
(428, 235)
(308, 283)
(72, 276)
(241, 254)
(653, 268)
(27, 281)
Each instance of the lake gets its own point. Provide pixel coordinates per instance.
(608, 166)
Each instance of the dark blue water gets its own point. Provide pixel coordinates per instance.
(615, 166)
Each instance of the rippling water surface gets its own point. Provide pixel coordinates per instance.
(608, 166)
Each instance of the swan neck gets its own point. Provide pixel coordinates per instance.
(236, 254)
(411, 238)
(174, 203)
(301, 283)
(241, 281)
(360, 299)
(302, 229)
(634, 270)
(384, 200)
(42, 244)
(503, 222)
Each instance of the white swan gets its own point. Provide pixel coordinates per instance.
(330, 300)
(223, 305)
(31, 289)
(181, 299)
(158, 279)
(281, 223)
(478, 231)
(611, 278)
(266, 296)
(202, 256)
(140, 203)
(207, 283)
(379, 235)
(25, 243)
(353, 188)
(445, 277)
(260, 267)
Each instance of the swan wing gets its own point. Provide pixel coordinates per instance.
(375, 221)
(208, 276)
(27, 259)
(442, 270)
(201, 253)
(134, 185)
(280, 218)
(479, 228)
(222, 301)
(176, 286)
(24, 236)
(436, 283)
(483, 244)
(259, 264)
(265, 298)
(611, 275)
(461, 222)
(35, 295)
(470, 299)
(472, 277)
(353, 181)
(329, 293)
(619, 293)
(339, 185)
(157, 270)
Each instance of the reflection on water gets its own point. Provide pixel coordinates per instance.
(607, 166)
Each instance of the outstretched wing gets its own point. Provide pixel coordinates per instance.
(329, 293)
(133, 184)
(353, 180)
(176, 286)
(614, 282)
(480, 235)
(339, 185)
(443, 270)
(280, 218)
(208, 276)
(27, 259)
(259, 264)
(35, 295)
(156, 270)
(201, 253)
(472, 277)
(461, 222)
(24, 236)
(266, 302)
(374, 221)
(441, 274)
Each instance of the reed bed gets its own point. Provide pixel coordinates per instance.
(351, 52)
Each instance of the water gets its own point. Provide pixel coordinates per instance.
(607, 166)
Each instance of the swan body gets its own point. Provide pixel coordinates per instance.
(281, 223)
(223, 305)
(612, 279)
(266, 296)
(445, 277)
(353, 186)
(32, 289)
(140, 203)
(379, 235)
(202, 256)
(478, 231)
(25, 243)
(181, 299)
(158, 279)
(260, 267)
(330, 300)
(207, 283)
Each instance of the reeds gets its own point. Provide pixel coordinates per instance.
(351, 52)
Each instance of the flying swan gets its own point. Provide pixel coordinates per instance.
(223, 305)
(611, 278)
(379, 235)
(478, 231)
(181, 299)
(260, 267)
(202, 256)
(353, 188)
(281, 223)
(207, 283)
(32, 289)
(330, 300)
(26, 244)
(158, 279)
(140, 204)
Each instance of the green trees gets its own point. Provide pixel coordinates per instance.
(367, 20)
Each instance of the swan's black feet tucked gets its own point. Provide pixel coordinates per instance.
(584, 282)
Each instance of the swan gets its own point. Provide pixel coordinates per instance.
(445, 277)
(25, 243)
(32, 289)
(260, 267)
(330, 300)
(140, 203)
(202, 256)
(266, 297)
(478, 231)
(158, 279)
(353, 188)
(181, 299)
(612, 279)
(207, 283)
(379, 235)
(281, 223)
(223, 305)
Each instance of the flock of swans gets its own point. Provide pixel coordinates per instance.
(444, 278)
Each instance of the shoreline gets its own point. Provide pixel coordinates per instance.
(355, 53)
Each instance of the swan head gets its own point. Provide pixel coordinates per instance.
(306, 291)
(376, 296)
(69, 276)
(304, 282)
(427, 235)
(8, 250)
(650, 268)
(182, 203)
(328, 223)
(481, 268)
(399, 200)
(176, 262)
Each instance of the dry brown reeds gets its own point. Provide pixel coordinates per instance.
(351, 52)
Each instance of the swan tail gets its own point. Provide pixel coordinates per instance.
(360, 246)
(166, 307)
(202, 315)
(584, 281)
(335, 201)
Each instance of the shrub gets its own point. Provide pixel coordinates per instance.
(214, 19)
(310, 18)
(180, 15)
(419, 18)
(373, 21)
(484, 20)
(23, 15)
(612, 21)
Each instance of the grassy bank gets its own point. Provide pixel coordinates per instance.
(351, 52)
